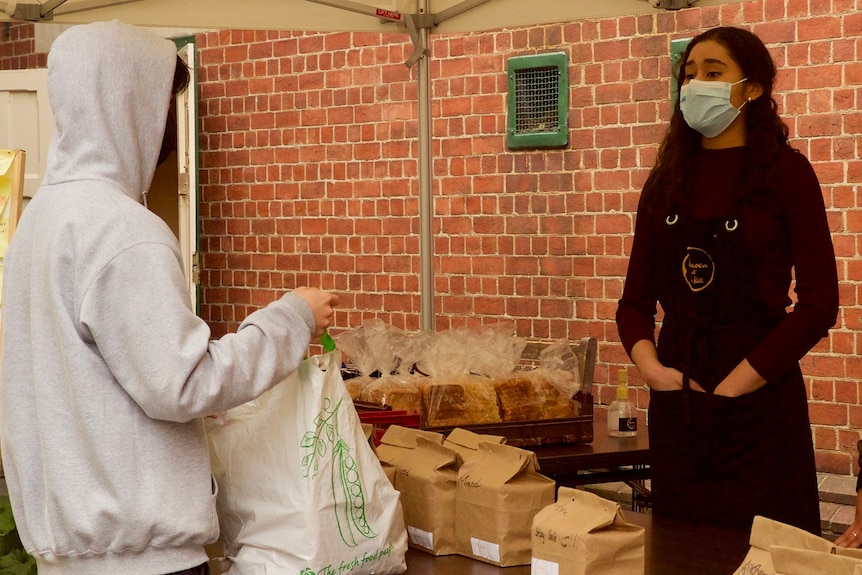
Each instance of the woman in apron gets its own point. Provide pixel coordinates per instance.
(729, 217)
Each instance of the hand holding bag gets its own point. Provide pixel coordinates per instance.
(300, 489)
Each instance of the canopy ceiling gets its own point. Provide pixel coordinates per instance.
(339, 15)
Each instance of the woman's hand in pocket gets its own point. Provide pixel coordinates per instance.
(656, 375)
(742, 380)
(669, 379)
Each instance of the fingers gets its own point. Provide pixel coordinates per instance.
(696, 386)
(851, 537)
(328, 311)
(321, 304)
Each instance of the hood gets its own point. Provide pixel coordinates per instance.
(109, 85)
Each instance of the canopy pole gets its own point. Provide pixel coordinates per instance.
(426, 205)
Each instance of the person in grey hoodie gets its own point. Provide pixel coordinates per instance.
(106, 370)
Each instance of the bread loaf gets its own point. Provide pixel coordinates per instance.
(459, 400)
(395, 391)
(530, 397)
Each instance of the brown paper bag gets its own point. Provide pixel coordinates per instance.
(498, 493)
(399, 441)
(584, 534)
(791, 545)
(791, 561)
(425, 474)
(427, 479)
(466, 442)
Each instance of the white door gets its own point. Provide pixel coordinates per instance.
(187, 152)
(26, 121)
(173, 194)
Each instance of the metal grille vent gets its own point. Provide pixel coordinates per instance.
(538, 101)
(536, 106)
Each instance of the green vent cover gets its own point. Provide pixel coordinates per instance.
(538, 101)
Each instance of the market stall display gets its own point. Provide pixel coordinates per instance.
(486, 379)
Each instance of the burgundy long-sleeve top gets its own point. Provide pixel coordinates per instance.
(789, 235)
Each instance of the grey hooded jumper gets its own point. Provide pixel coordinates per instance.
(106, 370)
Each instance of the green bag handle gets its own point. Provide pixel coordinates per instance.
(327, 342)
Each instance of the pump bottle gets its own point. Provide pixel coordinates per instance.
(622, 416)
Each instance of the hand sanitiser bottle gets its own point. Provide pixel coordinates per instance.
(622, 416)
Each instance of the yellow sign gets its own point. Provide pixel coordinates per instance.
(7, 157)
(11, 191)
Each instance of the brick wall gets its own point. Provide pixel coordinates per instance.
(18, 48)
(309, 176)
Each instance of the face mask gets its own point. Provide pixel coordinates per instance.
(706, 106)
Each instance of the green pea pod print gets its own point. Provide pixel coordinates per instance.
(351, 517)
(347, 493)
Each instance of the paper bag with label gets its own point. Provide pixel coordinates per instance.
(776, 546)
(300, 490)
(426, 478)
(498, 493)
(466, 442)
(584, 534)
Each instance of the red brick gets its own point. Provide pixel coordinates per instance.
(827, 414)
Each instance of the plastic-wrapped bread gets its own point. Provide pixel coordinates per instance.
(459, 400)
(529, 396)
(355, 385)
(399, 392)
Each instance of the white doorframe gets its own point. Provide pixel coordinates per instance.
(26, 121)
(187, 166)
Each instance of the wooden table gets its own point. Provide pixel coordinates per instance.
(605, 459)
(671, 547)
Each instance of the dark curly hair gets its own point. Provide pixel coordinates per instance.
(766, 132)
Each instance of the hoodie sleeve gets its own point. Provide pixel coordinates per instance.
(138, 315)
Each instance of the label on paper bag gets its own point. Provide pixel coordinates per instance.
(420, 537)
(544, 567)
(485, 549)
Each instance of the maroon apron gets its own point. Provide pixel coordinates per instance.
(717, 459)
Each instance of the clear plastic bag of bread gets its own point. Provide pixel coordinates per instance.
(558, 366)
(368, 349)
(497, 350)
(398, 389)
(460, 364)
(546, 392)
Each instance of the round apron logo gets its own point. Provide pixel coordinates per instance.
(698, 269)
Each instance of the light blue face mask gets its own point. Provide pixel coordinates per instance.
(706, 106)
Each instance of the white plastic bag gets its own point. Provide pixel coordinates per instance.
(300, 489)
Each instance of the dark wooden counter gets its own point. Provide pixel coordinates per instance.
(672, 547)
(604, 459)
